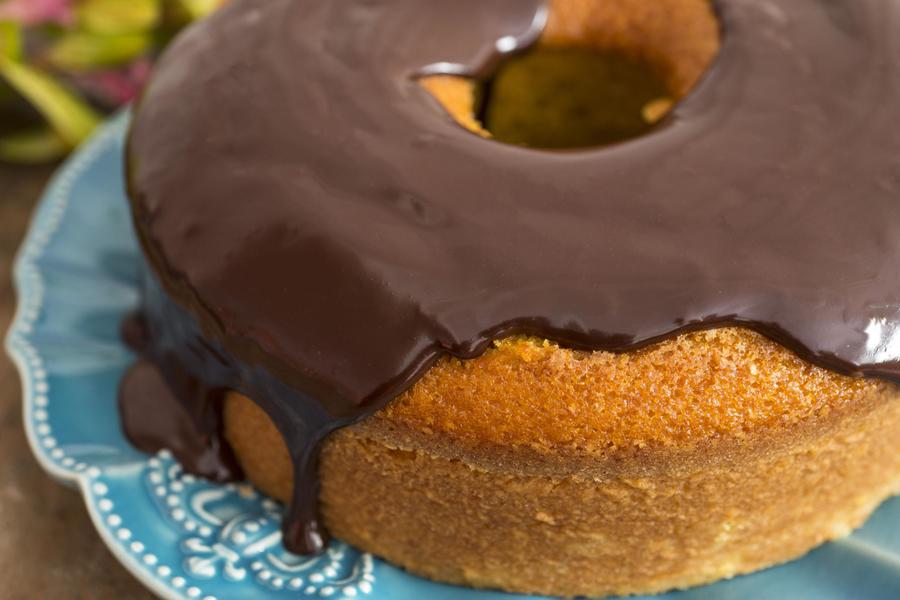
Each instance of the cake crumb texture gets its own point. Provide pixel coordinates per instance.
(540, 469)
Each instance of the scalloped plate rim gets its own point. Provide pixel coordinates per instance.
(17, 341)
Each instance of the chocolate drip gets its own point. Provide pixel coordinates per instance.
(164, 405)
(172, 398)
(323, 232)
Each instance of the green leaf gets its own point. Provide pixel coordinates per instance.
(10, 41)
(71, 119)
(32, 147)
(197, 9)
(119, 16)
(82, 51)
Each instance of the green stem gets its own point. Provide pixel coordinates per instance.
(71, 118)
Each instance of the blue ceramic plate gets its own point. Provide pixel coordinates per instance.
(77, 275)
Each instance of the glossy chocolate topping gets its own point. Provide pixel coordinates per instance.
(323, 232)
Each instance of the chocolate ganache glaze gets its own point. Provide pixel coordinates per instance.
(319, 231)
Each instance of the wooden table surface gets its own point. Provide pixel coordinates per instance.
(48, 546)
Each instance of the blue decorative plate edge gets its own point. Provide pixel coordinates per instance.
(28, 284)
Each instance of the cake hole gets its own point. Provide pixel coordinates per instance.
(558, 98)
(602, 72)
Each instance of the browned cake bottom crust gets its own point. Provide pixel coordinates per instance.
(545, 470)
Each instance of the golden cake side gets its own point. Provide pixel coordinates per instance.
(540, 469)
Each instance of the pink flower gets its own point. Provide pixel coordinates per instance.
(115, 87)
(36, 12)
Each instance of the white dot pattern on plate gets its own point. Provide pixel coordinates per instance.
(35, 376)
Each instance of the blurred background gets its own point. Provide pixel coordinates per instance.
(64, 66)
